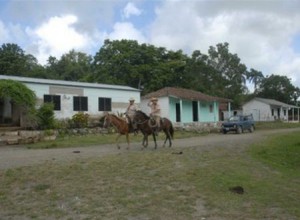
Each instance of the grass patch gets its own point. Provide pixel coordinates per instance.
(160, 185)
(281, 153)
(92, 139)
(275, 125)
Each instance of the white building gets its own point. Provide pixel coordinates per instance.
(270, 110)
(70, 98)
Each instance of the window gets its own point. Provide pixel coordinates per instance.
(55, 99)
(80, 103)
(104, 104)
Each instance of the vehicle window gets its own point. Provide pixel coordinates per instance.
(234, 118)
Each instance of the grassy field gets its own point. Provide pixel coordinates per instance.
(161, 185)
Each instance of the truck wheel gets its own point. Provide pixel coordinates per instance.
(251, 128)
(239, 130)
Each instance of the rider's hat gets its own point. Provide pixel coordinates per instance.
(153, 99)
(131, 99)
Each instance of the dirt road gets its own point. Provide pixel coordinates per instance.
(18, 156)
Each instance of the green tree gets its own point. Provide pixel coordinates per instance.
(144, 66)
(203, 77)
(18, 93)
(73, 66)
(279, 88)
(14, 61)
(255, 77)
(231, 70)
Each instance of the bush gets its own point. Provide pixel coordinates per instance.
(80, 120)
(45, 114)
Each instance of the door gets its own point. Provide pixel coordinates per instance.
(195, 111)
(178, 112)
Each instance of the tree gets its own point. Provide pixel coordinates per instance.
(255, 77)
(12, 60)
(18, 93)
(279, 88)
(73, 66)
(144, 66)
(202, 77)
(231, 71)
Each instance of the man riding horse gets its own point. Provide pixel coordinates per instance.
(130, 112)
(155, 113)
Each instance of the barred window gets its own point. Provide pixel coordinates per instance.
(104, 104)
(80, 103)
(55, 99)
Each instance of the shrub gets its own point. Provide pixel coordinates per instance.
(45, 114)
(80, 120)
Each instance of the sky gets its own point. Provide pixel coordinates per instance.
(265, 34)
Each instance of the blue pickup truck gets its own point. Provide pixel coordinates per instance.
(238, 124)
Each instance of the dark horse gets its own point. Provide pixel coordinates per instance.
(120, 125)
(146, 124)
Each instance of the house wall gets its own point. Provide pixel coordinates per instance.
(260, 111)
(209, 112)
(119, 98)
(168, 109)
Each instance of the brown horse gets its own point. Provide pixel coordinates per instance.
(120, 125)
(146, 126)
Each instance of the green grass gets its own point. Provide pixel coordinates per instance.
(161, 185)
(275, 125)
(92, 139)
(281, 153)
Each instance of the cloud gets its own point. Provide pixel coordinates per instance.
(56, 37)
(261, 34)
(126, 30)
(130, 9)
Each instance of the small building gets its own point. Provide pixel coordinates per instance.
(70, 97)
(270, 110)
(186, 106)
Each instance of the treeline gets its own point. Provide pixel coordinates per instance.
(149, 68)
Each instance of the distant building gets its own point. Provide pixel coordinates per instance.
(187, 106)
(270, 110)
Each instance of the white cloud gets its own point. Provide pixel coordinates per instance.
(4, 35)
(261, 34)
(126, 30)
(56, 37)
(130, 9)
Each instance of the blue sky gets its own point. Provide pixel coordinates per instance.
(264, 33)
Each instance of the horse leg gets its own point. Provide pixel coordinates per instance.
(146, 140)
(154, 138)
(168, 136)
(117, 141)
(128, 142)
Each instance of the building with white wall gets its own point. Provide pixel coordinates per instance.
(270, 110)
(70, 97)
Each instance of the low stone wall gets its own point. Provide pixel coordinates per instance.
(28, 137)
(210, 127)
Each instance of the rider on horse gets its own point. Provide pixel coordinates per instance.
(130, 112)
(155, 112)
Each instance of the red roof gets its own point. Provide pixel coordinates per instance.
(184, 94)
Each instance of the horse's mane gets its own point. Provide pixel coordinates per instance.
(143, 113)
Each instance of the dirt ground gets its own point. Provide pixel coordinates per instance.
(18, 156)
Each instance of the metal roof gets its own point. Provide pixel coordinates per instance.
(274, 102)
(68, 83)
